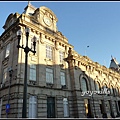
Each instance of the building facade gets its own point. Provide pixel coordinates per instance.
(60, 82)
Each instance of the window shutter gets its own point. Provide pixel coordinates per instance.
(65, 107)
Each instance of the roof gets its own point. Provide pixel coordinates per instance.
(114, 64)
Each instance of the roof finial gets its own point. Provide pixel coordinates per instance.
(28, 2)
(111, 57)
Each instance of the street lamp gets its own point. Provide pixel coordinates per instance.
(26, 50)
(10, 70)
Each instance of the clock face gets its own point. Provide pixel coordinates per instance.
(47, 21)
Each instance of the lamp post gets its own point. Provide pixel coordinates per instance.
(10, 75)
(26, 50)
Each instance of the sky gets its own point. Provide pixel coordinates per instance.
(94, 24)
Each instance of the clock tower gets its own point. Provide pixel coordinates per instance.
(46, 17)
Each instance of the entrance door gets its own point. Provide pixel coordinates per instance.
(88, 108)
(117, 109)
(119, 104)
(101, 107)
(51, 107)
(110, 108)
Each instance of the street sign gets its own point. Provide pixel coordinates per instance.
(7, 108)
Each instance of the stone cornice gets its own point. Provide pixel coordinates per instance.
(38, 29)
(86, 61)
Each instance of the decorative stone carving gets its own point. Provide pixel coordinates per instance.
(69, 52)
(57, 45)
(42, 39)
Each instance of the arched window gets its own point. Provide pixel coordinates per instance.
(117, 91)
(105, 86)
(105, 89)
(111, 90)
(84, 86)
(97, 86)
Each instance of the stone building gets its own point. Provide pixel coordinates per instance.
(60, 82)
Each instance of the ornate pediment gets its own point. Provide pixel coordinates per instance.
(46, 17)
(49, 13)
(9, 21)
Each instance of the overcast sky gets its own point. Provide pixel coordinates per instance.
(93, 24)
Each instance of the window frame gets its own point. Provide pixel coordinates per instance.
(32, 100)
(111, 89)
(63, 76)
(61, 56)
(34, 70)
(5, 73)
(86, 84)
(117, 91)
(49, 73)
(49, 52)
(66, 108)
(97, 86)
(7, 50)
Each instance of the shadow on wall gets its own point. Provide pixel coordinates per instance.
(44, 80)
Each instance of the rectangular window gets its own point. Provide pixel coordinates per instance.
(49, 52)
(33, 72)
(33, 107)
(61, 55)
(49, 76)
(62, 77)
(7, 50)
(0, 107)
(4, 75)
(65, 107)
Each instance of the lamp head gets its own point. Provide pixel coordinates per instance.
(19, 37)
(27, 30)
(10, 70)
(19, 33)
(34, 43)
